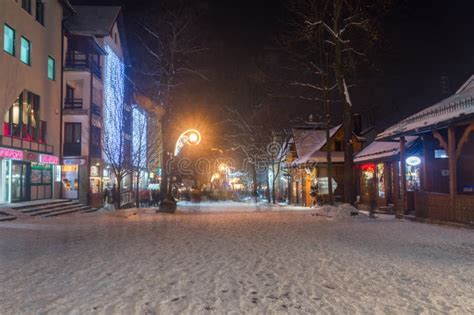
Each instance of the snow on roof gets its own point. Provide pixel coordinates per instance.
(381, 149)
(93, 20)
(309, 141)
(454, 107)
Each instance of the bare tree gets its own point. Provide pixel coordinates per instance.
(343, 31)
(167, 33)
(146, 140)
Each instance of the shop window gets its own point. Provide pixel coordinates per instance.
(380, 180)
(26, 5)
(51, 68)
(367, 179)
(9, 40)
(40, 11)
(440, 154)
(22, 119)
(25, 51)
(413, 170)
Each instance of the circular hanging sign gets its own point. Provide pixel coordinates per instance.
(413, 160)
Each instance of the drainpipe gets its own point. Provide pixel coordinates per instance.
(89, 193)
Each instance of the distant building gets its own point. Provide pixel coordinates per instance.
(306, 162)
(30, 98)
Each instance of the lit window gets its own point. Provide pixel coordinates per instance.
(440, 154)
(25, 51)
(9, 40)
(51, 68)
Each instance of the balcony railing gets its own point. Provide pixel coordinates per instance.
(74, 103)
(96, 110)
(80, 61)
(19, 143)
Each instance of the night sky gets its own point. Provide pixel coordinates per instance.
(426, 52)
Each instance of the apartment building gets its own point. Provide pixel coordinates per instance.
(30, 98)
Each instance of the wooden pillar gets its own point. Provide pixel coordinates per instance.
(403, 189)
(452, 164)
(425, 181)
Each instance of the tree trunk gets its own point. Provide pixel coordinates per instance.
(347, 117)
(137, 194)
(254, 179)
(165, 159)
(269, 198)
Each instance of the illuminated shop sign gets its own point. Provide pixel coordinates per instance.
(11, 154)
(48, 159)
(74, 161)
(413, 160)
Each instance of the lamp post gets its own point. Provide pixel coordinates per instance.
(188, 137)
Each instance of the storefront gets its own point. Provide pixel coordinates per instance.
(70, 177)
(379, 174)
(25, 175)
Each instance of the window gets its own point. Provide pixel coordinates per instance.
(22, 119)
(25, 51)
(51, 68)
(337, 146)
(26, 4)
(9, 40)
(73, 133)
(40, 11)
(72, 139)
(440, 154)
(380, 180)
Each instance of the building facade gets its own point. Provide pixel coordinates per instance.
(306, 163)
(446, 176)
(30, 98)
(96, 106)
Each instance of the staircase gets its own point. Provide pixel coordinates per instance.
(6, 216)
(52, 208)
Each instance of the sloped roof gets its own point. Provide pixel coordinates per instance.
(455, 107)
(382, 149)
(309, 141)
(93, 20)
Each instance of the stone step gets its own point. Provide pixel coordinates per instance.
(37, 204)
(6, 217)
(89, 210)
(61, 212)
(49, 207)
(48, 211)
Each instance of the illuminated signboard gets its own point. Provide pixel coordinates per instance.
(74, 161)
(48, 159)
(413, 161)
(11, 154)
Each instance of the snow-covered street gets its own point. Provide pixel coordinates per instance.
(233, 262)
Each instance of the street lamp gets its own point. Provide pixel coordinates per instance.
(190, 136)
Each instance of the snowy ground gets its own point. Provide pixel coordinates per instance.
(233, 262)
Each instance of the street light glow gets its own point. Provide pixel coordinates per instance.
(190, 136)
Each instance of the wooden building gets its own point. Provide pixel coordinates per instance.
(378, 168)
(306, 161)
(446, 191)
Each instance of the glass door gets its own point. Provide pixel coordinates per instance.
(20, 181)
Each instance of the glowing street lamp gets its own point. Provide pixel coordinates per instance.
(190, 136)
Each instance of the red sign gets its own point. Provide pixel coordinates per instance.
(49, 159)
(12, 154)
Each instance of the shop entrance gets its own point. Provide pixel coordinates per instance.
(20, 181)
